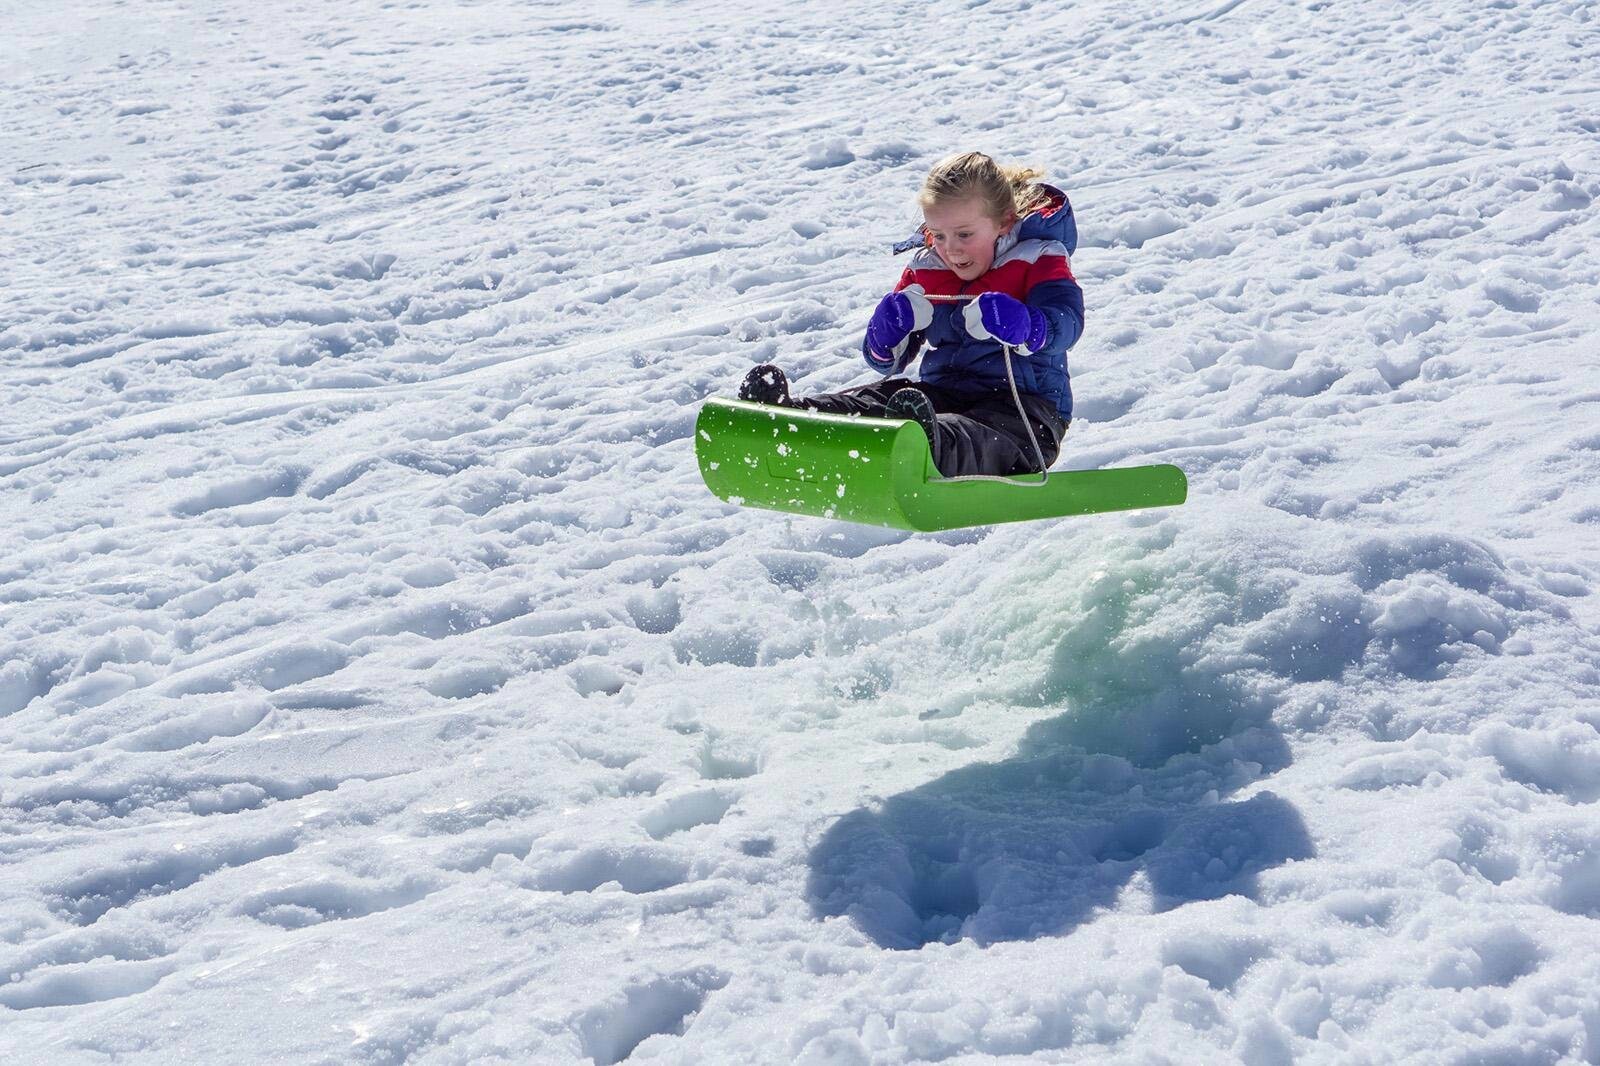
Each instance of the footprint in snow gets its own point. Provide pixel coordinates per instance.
(663, 1007)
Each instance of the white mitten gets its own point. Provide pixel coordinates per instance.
(921, 307)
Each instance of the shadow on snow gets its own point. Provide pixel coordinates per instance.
(1126, 795)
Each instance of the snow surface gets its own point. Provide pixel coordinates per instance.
(380, 683)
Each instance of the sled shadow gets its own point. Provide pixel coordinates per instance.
(1116, 799)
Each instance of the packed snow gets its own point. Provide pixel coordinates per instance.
(379, 682)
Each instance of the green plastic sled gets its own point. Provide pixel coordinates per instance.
(880, 472)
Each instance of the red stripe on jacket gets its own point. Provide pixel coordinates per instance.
(1015, 278)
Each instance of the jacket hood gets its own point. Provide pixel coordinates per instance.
(1052, 222)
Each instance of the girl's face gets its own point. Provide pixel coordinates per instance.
(964, 236)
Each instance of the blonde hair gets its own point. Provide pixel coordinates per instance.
(1003, 191)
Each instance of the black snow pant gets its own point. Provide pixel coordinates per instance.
(975, 433)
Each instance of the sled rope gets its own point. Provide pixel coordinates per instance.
(1027, 423)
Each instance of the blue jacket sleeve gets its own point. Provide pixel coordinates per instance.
(1061, 300)
(892, 366)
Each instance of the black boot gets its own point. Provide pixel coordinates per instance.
(915, 405)
(766, 384)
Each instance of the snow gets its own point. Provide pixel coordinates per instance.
(379, 682)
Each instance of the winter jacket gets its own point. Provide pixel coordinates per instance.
(1030, 263)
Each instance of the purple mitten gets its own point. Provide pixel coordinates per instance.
(897, 316)
(1007, 320)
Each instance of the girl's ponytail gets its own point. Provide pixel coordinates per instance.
(1025, 193)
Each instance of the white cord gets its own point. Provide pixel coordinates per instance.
(1027, 423)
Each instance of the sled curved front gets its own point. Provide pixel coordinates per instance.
(880, 472)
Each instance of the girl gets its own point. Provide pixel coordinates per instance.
(991, 282)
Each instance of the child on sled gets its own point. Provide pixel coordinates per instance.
(991, 283)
